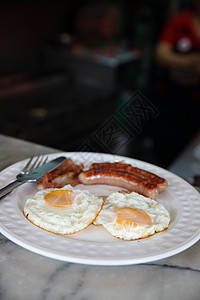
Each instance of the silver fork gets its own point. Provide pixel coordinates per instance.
(33, 163)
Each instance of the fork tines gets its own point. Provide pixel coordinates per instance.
(32, 164)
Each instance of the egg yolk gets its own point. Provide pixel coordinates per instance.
(131, 217)
(59, 198)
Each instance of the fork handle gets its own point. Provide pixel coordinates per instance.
(8, 188)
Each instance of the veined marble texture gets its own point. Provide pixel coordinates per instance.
(26, 275)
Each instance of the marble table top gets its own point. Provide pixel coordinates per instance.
(27, 275)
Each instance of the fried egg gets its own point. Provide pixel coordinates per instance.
(63, 211)
(131, 216)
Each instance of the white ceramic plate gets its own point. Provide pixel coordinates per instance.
(95, 245)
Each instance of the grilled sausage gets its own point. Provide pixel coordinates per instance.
(151, 177)
(121, 179)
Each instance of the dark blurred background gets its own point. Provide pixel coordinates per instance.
(67, 68)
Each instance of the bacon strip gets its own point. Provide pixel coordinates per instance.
(151, 177)
(121, 179)
(66, 173)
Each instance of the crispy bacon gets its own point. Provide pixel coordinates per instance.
(66, 173)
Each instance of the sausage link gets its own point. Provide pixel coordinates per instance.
(151, 177)
(121, 179)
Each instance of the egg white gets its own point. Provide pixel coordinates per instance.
(107, 217)
(82, 213)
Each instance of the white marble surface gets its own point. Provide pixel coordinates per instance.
(26, 275)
